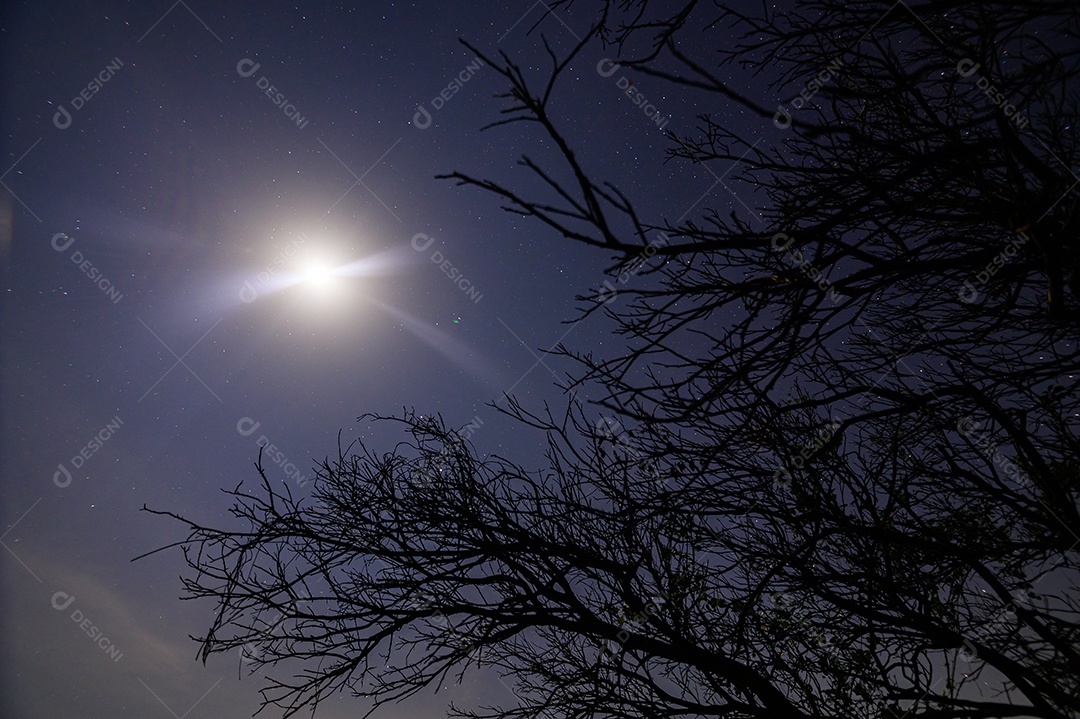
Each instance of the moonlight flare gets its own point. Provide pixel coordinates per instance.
(526, 360)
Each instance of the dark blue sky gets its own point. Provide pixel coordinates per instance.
(163, 209)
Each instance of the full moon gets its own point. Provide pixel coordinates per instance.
(318, 275)
(322, 281)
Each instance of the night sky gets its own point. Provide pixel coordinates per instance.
(221, 229)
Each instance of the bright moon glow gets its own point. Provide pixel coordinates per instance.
(318, 275)
(322, 278)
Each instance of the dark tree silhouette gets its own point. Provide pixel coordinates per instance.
(835, 469)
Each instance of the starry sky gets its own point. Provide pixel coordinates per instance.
(220, 229)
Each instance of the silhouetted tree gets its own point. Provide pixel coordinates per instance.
(834, 470)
